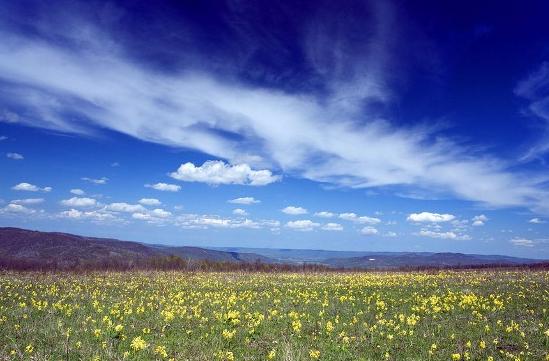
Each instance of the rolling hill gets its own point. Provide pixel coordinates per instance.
(69, 251)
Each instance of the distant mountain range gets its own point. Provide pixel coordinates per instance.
(71, 251)
(381, 260)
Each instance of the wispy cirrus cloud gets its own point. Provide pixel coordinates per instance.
(299, 133)
(535, 89)
(244, 200)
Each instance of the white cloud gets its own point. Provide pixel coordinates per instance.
(126, 207)
(324, 214)
(115, 164)
(190, 221)
(160, 213)
(332, 227)
(15, 156)
(28, 201)
(353, 217)
(294, 210)
(9, 117)
(30, 188)
(72, 213)
(218, 172)
(3, 137)
(244, 200)
(430, 217)
(17, 208)
(535, 89)
(77, 202)
(149, 202)
(240, 212)
(443, 235)
(165, 187)
(98, 216)
(25, 187)
(536, 221)
(369, 231)
(522, 242)
(302, 225)
(479, 220)
(78, 192)
(155, 216)
(390, 234)
(293, 132)
(102, 180)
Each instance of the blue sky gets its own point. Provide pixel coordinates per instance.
(383, 126)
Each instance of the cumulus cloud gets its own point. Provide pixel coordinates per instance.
(190, 221)
(126, 207)
(353, 217)
(369, 231)
(390, 234)
(430, 217)
(28, 201)
(102, 180)
(160, 213)
(302, 225)
(324, 214)
(244, 200)
(443, 235)
(17, 208)
(77, 191)
(284, 130)
(536, 221)
(78, 202)
(30, 188)
(522, 242)
(164, 187)
(157, 215)
(479, 220)
(15, 156)
(96, 215)
(218, 172)
(332, 227)
(149, 202)
(240, 212)
(294, 210)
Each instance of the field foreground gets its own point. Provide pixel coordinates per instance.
(481, 315)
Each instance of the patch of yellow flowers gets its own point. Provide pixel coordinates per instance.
(459, 316)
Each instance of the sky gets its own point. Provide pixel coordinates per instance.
(356, 125)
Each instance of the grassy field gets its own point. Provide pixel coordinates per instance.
(482, 315)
